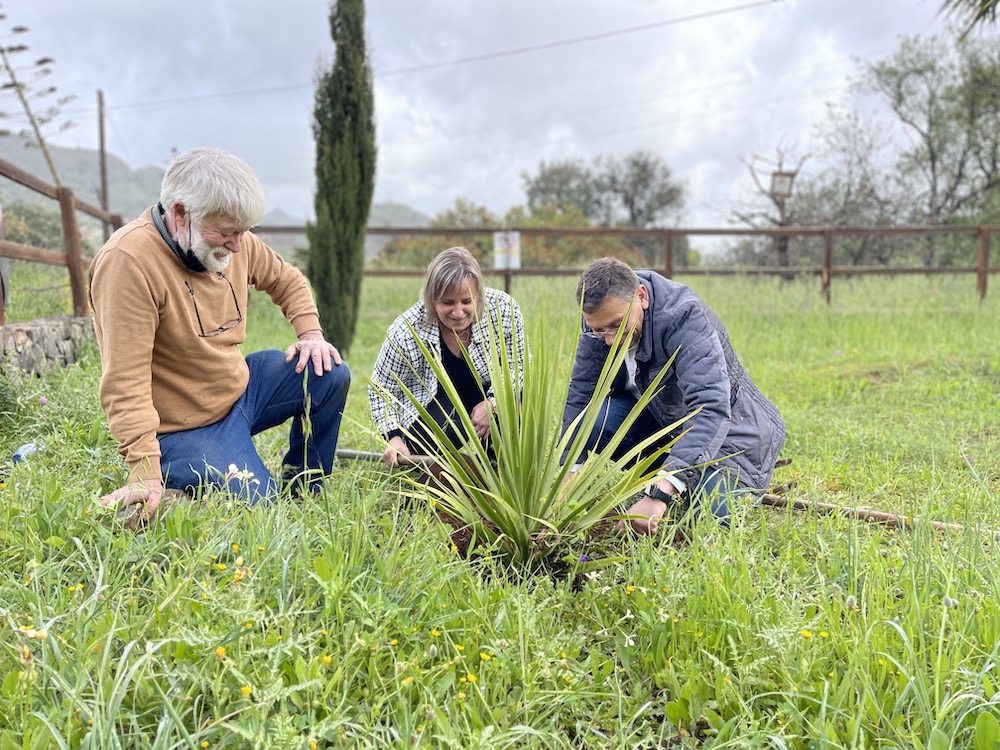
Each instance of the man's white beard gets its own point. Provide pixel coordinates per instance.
(215, 259)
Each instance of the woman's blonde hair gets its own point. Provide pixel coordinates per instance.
(450, 269)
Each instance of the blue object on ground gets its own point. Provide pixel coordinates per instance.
(28, 449)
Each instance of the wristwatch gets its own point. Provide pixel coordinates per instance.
(657, 494)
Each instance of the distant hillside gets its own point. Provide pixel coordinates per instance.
(132, 191)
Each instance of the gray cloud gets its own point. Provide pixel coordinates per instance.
(239, 75)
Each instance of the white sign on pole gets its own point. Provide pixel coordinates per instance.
(506, 250)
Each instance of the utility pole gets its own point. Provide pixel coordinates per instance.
(103, 156)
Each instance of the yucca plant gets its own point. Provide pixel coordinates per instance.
(518, 494)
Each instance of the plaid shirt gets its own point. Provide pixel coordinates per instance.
(400, 354)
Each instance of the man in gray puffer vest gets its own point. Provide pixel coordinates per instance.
(734, 419)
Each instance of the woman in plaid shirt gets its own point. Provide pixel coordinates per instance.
(453, 314)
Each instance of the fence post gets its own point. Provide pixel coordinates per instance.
(74, 252)
(668, 254)
(983, 262)
(827, 262)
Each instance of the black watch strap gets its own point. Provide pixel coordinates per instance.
(657, 494)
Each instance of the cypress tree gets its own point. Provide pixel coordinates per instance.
(344, 129)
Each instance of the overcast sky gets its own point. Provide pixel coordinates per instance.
(469, 94)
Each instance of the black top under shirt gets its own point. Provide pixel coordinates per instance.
(466, 382)
(462, 377)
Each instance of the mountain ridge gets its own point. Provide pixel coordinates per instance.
(131, 191)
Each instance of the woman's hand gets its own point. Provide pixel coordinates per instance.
(395, 449)
(481, 418)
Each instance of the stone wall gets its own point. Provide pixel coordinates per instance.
(32, 348)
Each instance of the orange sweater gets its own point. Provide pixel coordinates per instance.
(159, 375)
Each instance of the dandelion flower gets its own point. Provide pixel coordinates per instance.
(204, 744)
(327, 660)
(470, 677)
(246, 690)
(484, 656)
(807, 634)
(220, 652)
(435, 632)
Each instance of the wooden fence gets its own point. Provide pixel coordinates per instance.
(825, 269)
(74, 261)
(73, 258)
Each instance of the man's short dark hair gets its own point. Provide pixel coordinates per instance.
(603, 277)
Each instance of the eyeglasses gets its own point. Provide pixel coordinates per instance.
(599, 335)
(232, 323)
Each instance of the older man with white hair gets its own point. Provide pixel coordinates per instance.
(169, 292)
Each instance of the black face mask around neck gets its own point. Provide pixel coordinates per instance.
(186, 257)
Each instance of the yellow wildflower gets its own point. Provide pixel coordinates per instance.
(220, 652)
(246, 690)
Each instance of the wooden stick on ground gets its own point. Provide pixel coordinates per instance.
(865, 514)
(412, 460)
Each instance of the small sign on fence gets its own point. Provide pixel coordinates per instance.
(506, 250)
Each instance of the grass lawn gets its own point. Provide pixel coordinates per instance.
(352, 622)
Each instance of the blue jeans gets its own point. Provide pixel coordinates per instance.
(716, 485)
(202, 457)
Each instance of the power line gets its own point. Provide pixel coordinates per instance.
(618, 106)
(252, 93)
(575, 40)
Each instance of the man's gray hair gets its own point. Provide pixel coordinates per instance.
(603, 277)
(450, 269)
(212, 182)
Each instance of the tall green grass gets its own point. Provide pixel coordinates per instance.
(351, 622)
